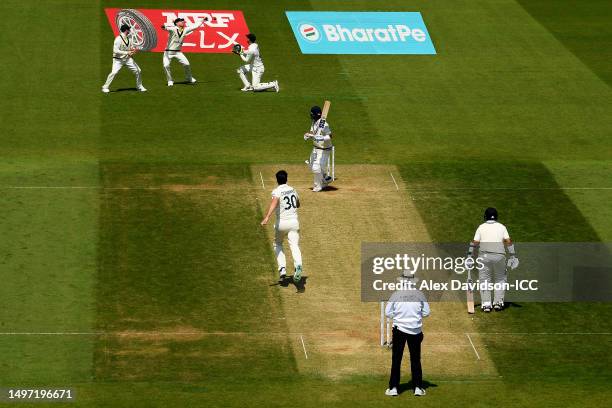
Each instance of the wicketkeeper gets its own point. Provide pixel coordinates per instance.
(254, 65)
(492, 240)
(122, 56)
(321, 150)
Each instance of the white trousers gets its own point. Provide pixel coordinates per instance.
(120, 63)
(493, 271)
(318, 165)
(256, 74)
(291, 230)
(181, 58)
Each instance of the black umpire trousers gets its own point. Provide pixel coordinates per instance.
(414, 347)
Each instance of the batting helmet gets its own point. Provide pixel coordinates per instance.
(315, 113)
(490, 214)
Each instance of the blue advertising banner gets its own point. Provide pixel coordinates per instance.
(332, 32)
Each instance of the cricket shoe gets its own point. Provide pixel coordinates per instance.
(247, 89)
(498, 307)
(317, 189)
(276, 86)
(282, 274)
(142, 89)
(391, 392)
(105, 90)
(297, 275)
(192, 80)
(419, 392)
(170, 83)
(486, 309)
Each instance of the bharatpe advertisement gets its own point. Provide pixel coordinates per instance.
(218, 34)
(539, 272)
(360, 33)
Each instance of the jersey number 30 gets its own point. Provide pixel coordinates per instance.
(290, 202)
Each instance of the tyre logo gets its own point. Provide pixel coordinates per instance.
(142, 32)
(310, 32)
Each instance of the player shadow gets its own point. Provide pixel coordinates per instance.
(288, 281)
(187, 83)
(328, 188)
(507, 305)
(409, 386)
(125, 90)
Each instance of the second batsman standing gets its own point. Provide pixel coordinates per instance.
(492, 240)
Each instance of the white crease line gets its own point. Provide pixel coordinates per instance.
(394, 182)
(163, 333)
(304, 347)
(473, 348)
(415, 190)
(262, 182)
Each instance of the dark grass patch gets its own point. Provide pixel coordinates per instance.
(451, 198)
(185, 261)
(583, 27)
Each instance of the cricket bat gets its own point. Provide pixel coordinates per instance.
(324, 113)
(470, 293)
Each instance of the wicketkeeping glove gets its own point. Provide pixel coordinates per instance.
(237, 49)
(513, 262)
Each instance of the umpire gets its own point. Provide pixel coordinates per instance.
(407, 308)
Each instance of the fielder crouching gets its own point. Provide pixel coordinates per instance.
(321, 149)
(254, 65)
(492, 240)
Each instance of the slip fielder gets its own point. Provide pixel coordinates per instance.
(285, 201)
(122, 56)
(492, 240)
(321, 148)
(254, 65)
(176, 36)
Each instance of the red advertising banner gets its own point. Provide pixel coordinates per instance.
(223, 29)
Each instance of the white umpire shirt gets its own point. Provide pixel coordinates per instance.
(407, 315)
(491, 235)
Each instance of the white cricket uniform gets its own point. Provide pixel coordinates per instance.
(321, 149)
(492, 251)
(287, 224)
(176, 36)
(121, 58)
(255, 66)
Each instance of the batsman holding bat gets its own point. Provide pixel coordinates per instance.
(492, 240)
(254, 65)
(322, 146)
(122, 56)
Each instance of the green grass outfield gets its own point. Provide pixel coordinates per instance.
(517, 98)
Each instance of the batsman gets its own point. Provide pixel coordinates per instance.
(321, 135)
(492, 241)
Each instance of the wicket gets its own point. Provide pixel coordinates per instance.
(331, 164)
(385, 327)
